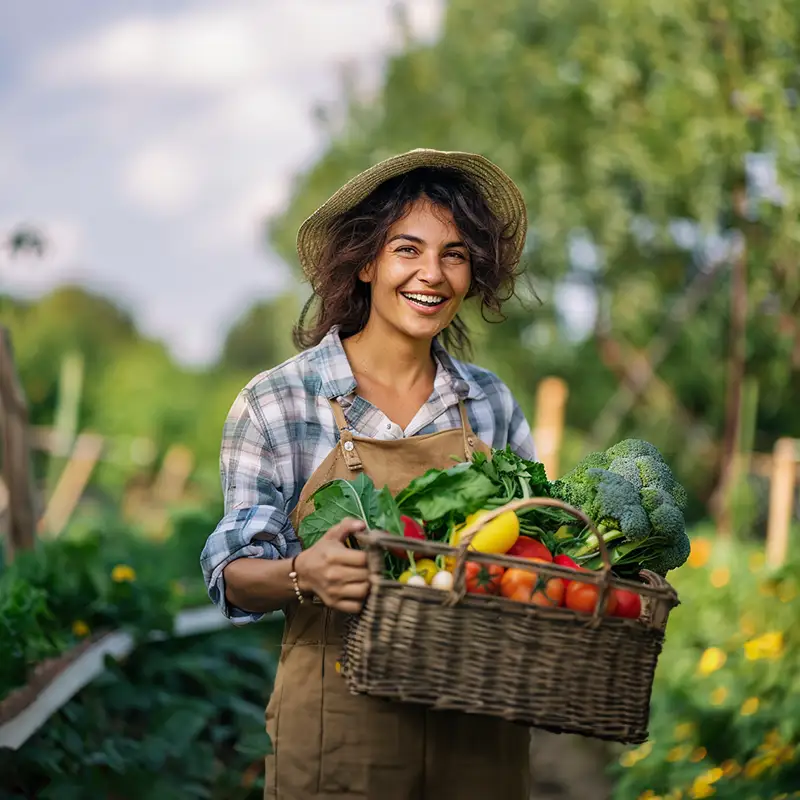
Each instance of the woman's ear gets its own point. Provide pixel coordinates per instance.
(367, 273)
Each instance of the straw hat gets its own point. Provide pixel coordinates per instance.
(501, 193)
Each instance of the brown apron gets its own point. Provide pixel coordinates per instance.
(328, 743)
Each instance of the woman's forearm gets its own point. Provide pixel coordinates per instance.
(258, 585)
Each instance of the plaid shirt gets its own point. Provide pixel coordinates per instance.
(281, 427)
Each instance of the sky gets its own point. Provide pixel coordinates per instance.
(149, 141)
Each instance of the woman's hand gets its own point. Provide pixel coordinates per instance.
(337, 574)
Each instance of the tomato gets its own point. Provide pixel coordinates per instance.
(497, 536)
(525, 547)
(483, 578)
(524, 586)
(565, 561)
(411, 530)
(629, 604)
(583, 597)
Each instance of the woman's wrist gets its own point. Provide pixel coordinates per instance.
(300, 581)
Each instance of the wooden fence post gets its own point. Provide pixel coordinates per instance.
(551, 400)
(71, 484)
(17, 468)
(781, 501)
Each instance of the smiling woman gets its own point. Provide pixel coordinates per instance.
(391, 257)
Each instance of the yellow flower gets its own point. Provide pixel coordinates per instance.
(684, 730)
(701, 788)
(757, 766)
(631, 757)
(719, 696)
(698, 754)
(711, 660)
(700, 553)
(675, 794)
(713, 775)
(770, 645)
(730, 768)
(123, 573)
(720, 577)
(80, 628)
(648, 795)
(679, 753)
(749, 707)
(338, 666)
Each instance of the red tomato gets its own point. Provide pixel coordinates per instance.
(565, 561)
(629, 604)
(524, 586)
(483, 578)
(525, 547)
(411, 530)
(583, 597)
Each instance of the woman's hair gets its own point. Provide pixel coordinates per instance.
(357, 237)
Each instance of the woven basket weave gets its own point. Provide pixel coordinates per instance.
(549, 668)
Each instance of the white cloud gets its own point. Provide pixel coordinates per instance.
(162, 178)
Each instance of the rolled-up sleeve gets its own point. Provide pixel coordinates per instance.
(520, 438)
(255, 524)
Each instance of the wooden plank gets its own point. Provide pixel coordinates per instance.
(17, 469)
(781, 502)
(551, 400)
(83, 670)
(71, 484)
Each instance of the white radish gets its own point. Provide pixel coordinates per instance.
(442, 580)
(416, 580)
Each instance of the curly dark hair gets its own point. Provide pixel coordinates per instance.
(357, 237)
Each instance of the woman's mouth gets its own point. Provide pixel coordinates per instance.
(425, 303)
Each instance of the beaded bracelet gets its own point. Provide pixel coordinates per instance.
(293, 576)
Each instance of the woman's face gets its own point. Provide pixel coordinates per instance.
(422, 275)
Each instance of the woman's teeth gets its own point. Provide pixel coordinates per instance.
(424, 299)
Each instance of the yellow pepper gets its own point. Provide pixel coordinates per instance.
(425, 567)
(497, 536)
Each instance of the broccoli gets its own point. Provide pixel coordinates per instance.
(641, 463)
(611, 502)
(630, 493)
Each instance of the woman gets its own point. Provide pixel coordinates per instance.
(391, 258)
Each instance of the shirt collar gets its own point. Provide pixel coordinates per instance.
(338, 380)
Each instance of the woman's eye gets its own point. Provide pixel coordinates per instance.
(455, 254)
(405, 250)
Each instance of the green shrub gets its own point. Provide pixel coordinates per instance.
(178, 719)
(726, 702)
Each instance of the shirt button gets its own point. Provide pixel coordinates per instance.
(348, 446)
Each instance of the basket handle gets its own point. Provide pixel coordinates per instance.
(459, 577)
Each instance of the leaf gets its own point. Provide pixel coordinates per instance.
(335, 501)
(385, 514)
(441, 492)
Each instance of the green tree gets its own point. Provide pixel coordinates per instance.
(654, 142)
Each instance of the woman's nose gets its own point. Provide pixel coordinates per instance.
(430, 268)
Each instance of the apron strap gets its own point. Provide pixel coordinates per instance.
(469, 436)
(346, 443)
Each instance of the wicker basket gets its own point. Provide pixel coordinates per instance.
(550, 668)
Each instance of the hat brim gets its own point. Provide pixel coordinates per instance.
(501, 194)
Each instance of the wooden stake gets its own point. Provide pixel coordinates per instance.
(551, 400)
(71, 484)
(781, 502)
(175, 472)
(17, 470)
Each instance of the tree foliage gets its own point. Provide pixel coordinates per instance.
(653, 141)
